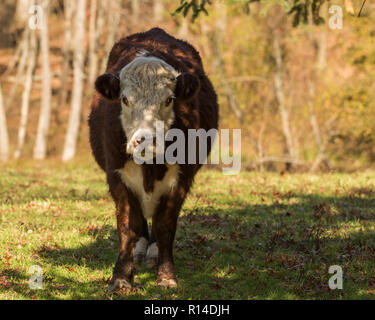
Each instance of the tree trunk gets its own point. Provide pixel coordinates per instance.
(4, 139)
(22, 13)
(68, 12)
(217, 39)
(101, 20)
(349, 6)
(26, 95)
(204, 31)
(113, 20)
(75, 112)
(93, 45)
(20, 67)
(16, 56)
(40, 148)
(183, 29)
(158, 11)
(135, 4)
(322, 157)
(322, 51)
(283, 110)
(322, 41)
(320, 46)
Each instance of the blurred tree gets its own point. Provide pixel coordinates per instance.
(320, 82)
(8, 24)
(158, 11)
(217, 40)
(40, 149)
(22, 13)
(136, 9)
(93, 44)
(280, 96)
(69, 8)
(349, 6)
(75, 111)
(20, 56)
(32, 54)
(113, 20)
(4, 139)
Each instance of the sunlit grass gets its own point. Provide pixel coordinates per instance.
(251, 236)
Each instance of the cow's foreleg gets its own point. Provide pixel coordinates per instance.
(129, 226)
(164, 224)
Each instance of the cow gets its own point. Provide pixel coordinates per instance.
(150, 76)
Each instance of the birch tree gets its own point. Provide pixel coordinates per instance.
(158, 9)
(279, 91)
(93, 44)
(21, 14)
(40, 148)
(136, 8)
(101, 21)
(4, 139)
(113, 21)
(68, 14)
(75, 111)
(183, 29)
(320, 48)
(26, 94)
(21, 63)
(217, 39)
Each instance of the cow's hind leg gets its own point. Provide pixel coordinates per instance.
(142, 244)
(152, 250)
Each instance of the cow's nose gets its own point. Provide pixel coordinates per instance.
(142, 137)
(138, 141)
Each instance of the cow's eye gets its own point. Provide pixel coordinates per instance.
(125, 100)
(169, 101)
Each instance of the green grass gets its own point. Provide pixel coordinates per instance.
(251, 236)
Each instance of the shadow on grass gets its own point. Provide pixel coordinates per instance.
(55, 287)
(51, 193)
(259, 251)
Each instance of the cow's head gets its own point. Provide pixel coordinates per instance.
(147, 87)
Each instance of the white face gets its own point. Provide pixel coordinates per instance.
(147, 92)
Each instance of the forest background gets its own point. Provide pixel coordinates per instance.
(299, 85)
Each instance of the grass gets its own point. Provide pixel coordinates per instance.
(250, 236)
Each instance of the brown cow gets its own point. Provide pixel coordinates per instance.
(150, 76)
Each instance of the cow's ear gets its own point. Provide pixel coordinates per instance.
(187, 86)
(108, 85)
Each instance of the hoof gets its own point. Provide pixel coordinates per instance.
(167, 283)
(118, 284)
(152, 255)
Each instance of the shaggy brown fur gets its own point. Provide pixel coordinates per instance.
(108, 142)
